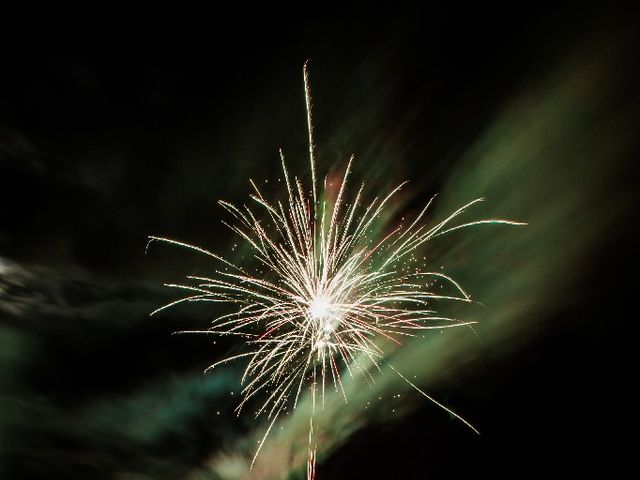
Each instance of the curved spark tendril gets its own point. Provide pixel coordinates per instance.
(330, 296)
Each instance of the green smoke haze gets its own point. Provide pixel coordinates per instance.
(107, 138)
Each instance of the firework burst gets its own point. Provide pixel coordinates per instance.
(330, 296)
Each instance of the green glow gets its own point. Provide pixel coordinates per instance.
(542, 160)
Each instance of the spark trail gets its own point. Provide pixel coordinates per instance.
(332, 295)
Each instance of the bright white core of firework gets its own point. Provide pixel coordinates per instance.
(320, 307)
(322, 311)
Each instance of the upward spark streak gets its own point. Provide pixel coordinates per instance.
(329, 297)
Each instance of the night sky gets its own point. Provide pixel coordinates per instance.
(117, 124)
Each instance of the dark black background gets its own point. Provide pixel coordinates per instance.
(107, 113)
